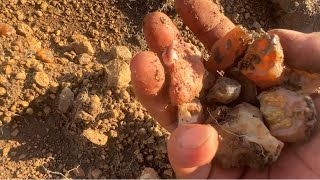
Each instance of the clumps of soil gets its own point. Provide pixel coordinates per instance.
(299, 15)
(250, 13)
(75, 116)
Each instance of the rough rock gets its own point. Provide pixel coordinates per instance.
(121, 52)
(24, 30)
(66, 99)
(83, 116)
(95, 105)
(84, 59)
(117, 74)
(81, 44)
(290, 116)
(190, 113)
(224, 91)
(244, 138)
(33, 43)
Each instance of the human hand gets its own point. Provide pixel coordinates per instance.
(192, 148)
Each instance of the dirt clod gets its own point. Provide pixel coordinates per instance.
(21, 76)
(121, 52)
(45, 55)
(117, 74)
(85, 59)
(81, 44)
(5, 151)
(3, 91)
(95, 137)
(6, 30)
(42, 79)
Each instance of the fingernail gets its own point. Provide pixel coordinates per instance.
(195, 137)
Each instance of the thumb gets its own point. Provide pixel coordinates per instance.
(191, 149)
(301, 51)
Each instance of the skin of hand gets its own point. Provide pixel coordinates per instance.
(191, 148)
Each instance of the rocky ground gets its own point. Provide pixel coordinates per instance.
(66, 105)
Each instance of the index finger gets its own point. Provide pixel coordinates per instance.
(205, 19)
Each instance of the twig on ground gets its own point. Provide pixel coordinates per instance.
(22, 118)
(1, 130)
(65, 176)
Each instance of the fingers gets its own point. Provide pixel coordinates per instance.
(301, 51)
(159, 31)
(205, 19)
(148, 81)
(191, 149)
(148, 74)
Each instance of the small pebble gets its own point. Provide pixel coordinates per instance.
(224, 91)
(24, 103)
(29, 111)
(168, 172)
(45, 55)
(5, 151)
(149, 173)
(95, 137)
(96, 173)
(84, 59)
(3, 91)
(42, 79)
(15, 133)
(81, 44)
(256, 25)
(6, 30)
(21, 76)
